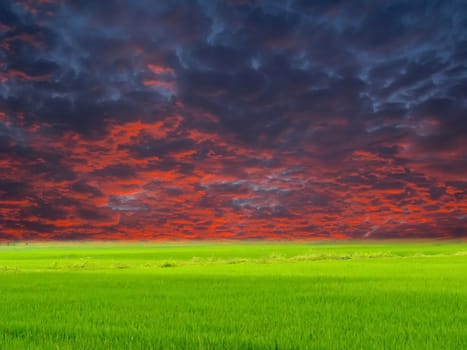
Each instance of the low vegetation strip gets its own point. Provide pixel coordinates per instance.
(389, 295)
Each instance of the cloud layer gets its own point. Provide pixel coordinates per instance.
(233, 119)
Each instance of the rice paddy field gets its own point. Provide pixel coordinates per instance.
(373, 295)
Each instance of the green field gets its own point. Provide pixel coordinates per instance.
(380, 295)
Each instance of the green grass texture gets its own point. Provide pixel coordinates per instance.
(231, 295)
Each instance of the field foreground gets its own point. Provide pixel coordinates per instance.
(234, 296)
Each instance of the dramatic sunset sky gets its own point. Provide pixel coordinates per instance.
(233, 119)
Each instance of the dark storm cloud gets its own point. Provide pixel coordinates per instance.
(76, 74)
(211, 118)
(148, 147)
(13, 190)
(83, 187)
(116, 171)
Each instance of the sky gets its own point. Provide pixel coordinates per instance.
(233, 119)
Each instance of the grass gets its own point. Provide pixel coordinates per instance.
(386, 295)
